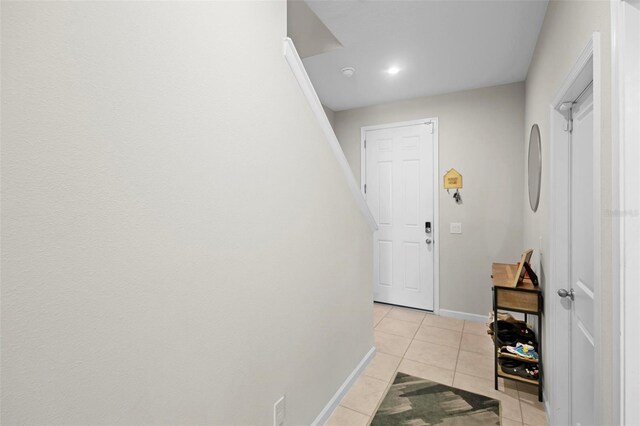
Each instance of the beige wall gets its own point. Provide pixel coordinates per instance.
(178, 242)
(331, 115)
(567, 28)
(481, 137)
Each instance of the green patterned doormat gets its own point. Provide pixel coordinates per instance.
(413, 401)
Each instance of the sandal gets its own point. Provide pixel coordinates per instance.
(520, 369)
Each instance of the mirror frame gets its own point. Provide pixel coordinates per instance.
(534, 199)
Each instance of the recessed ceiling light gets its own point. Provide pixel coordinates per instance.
(393, 70)
(348, 71)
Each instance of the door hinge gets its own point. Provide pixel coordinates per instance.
(431, 127)
(568, 126)
(365, 144)
(365, 188)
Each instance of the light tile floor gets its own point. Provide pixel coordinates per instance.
(445, 350)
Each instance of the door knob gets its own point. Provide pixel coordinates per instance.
(428, 241)
(564, 293)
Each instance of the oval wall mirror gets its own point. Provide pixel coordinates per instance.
(534, 167)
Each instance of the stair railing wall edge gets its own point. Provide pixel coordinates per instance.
(295, 63)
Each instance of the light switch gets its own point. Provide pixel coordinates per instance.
(455, 228)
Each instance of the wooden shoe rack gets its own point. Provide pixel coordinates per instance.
(516, 295)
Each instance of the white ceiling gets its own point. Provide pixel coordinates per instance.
(440, 47)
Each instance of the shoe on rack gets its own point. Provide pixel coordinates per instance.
(519, 368)
(505, 316)
(510, 334)
(520, 328)
(520, 350)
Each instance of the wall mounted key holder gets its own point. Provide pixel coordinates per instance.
(453, 180)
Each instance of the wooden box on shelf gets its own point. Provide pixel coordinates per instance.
(524, 297)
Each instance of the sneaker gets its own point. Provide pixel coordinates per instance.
(523, 351)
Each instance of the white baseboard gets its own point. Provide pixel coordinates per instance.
(343, 389)
(464, 315)
(547, 406)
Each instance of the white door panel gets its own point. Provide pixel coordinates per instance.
(582, 249)
(399, 191)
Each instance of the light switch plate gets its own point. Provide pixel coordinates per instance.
(455, 228)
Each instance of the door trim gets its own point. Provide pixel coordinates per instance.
(558, 395)
(625, 15)
(436, 193)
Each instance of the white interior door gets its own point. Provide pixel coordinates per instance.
(399, 174)
(582, 261)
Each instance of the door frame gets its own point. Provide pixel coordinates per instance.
(559, 393)
(436, 194)
(625, 15)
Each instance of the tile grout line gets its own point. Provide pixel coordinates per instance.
(431, 343)
(389, 383)
(386, 389)
(353, 409)
(519, 403)
(455, 369)
(402, 358)
(441, 328)
(407, 321)
(369, 416)
(381, 318)
(399, 335)
(456, 372)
